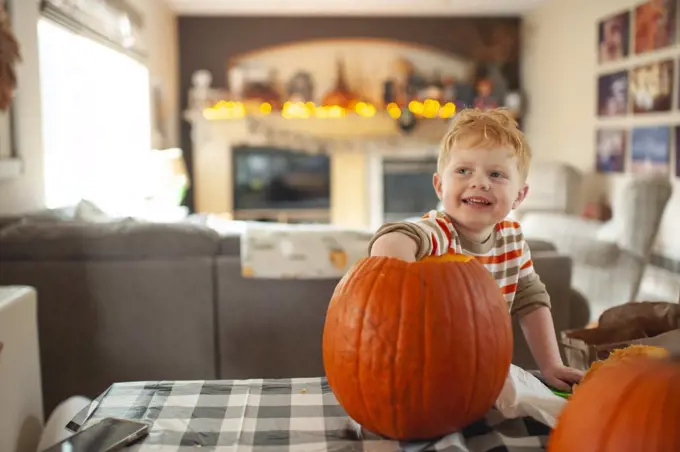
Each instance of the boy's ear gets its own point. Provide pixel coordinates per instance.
(520, 196)
(437, 184)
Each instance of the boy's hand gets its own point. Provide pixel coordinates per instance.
(561, 377)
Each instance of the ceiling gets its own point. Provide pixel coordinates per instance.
(352, 7)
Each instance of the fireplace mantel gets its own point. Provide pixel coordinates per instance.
(353, 143)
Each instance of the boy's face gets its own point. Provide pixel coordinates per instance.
(479, 187)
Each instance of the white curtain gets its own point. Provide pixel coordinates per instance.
(96, 119)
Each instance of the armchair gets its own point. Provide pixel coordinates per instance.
(609, 258)
(554, 187)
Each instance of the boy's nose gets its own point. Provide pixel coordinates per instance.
(480, 182)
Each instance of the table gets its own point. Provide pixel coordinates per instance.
(299, 414)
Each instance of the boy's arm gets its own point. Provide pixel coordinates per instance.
(539, 331)
(532, 306)
(410, 241)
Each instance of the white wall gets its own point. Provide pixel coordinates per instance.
(26, 192)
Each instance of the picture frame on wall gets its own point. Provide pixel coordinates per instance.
(650, 149)
(610, 150)
(651, 87)
(614, 37)
(655, 25)
(612, 94)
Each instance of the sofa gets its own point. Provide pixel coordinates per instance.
(128, 300)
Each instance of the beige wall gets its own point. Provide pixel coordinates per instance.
(160, 33)
(26, 192)
(559, 73)
(560, 70)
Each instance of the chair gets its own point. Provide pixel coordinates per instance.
(553, 187)
(610, 257)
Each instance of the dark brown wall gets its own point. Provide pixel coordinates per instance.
(210, 42)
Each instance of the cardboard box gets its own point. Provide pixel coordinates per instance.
(581, 354)
(639, 323)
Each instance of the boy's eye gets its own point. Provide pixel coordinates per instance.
(496, 174)
(463, 171)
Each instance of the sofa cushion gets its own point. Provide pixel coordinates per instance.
(123, 239)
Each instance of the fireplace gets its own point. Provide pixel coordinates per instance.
(351, 179)
(407, 187)
(275, 184)
(400, 185)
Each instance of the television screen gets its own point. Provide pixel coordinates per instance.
(271, 178)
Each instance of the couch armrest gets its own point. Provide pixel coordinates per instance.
(553, 226)
(571, 235)
(21, 404)
(596, 253)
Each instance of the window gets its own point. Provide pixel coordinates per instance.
(96, 118)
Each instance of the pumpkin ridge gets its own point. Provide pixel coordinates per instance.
(675, 382)
(425, 396)
(668, 403)
(485, 315)
(347, 289)
(426, 290)
(494, 313)
(634, 403)
(608, 431)
(471, 309)
(397, 424)
(368, 415)
(487, 312)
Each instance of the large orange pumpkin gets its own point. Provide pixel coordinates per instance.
(629, 406)
(417, 350)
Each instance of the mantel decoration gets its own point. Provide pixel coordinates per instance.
(9, 56)
(345, 94)
(336, 125)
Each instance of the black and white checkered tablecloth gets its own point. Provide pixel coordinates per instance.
(279, 415)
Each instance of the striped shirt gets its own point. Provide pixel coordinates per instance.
(508, 258)
(505, 254)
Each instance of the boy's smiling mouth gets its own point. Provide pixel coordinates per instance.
(477, 201)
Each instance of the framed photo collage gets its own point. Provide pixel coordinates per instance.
(645, 88)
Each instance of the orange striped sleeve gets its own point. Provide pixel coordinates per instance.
(438, 229)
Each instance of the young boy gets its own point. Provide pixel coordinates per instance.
(481, 176)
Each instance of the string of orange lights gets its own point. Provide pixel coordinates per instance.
(429, 108)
